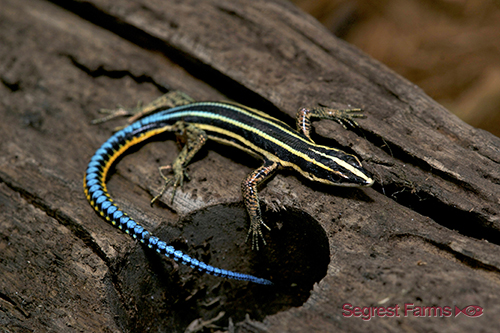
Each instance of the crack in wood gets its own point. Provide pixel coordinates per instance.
(464, 257)
(116, 74)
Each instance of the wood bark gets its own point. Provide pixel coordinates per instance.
(427, 234)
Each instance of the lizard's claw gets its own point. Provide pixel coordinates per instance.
(177, 180)
(345, 117)
(256, 233)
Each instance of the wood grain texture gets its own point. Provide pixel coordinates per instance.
(428, 233)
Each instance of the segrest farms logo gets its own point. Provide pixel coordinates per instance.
(409, 310)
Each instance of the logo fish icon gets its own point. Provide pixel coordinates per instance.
(470, 311)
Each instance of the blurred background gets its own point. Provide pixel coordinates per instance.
(450, 48)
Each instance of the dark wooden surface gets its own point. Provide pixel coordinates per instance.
(428, 233)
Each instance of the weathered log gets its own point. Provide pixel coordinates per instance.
(427, 234)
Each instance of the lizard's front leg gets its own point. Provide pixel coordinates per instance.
(343, 117)
(251, 199)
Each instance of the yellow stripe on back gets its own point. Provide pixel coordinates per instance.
(261, 116)
(264, 136)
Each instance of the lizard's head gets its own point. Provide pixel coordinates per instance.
(335, 167)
